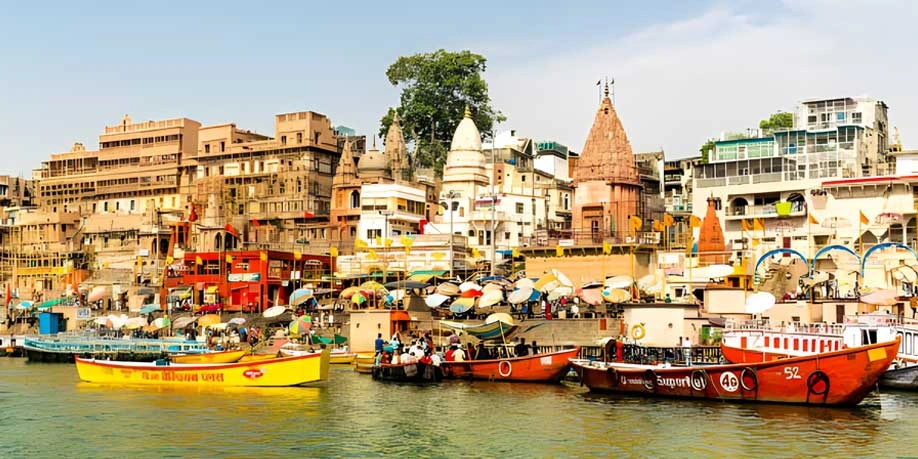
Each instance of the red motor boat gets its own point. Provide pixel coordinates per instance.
(550, 367)
(842, 377)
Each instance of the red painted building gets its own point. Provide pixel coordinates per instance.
(250, 281)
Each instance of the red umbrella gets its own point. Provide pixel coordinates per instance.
(471, 293)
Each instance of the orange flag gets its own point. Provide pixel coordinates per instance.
(813, 220)
(746, 225)
(694, 221)
(758, 225)
(864, 219)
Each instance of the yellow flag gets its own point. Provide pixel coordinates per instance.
(229, 258)
(297, 255)
(813, 220)
(169, 260)
(333, 251)
(263, 256)
(864, 219)
(139, 261)
(198, 260)
(746, 225)
(606, 248)
(694, 222)
(404, 240)
(371, 255)
(437, 255)
(360, 244)
(515, 253)
(668, 220)
(657, 225)
(559, 251)
(378, 240)
(388, 242)
(758, 225)
(475, 253)
(635, 222)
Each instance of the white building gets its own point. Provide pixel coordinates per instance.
(768, 183)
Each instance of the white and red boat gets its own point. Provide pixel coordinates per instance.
(758, 341)
(842, 377)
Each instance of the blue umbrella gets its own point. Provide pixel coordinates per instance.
(150, 308)
(300, 295)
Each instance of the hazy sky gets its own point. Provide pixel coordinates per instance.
(684, 71)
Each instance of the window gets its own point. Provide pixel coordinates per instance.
(222, 147)
(299, 137)
(519, 207)
(132, 204)
(283, 140)
(206, 148)
(372, 234)
(355, 200)
(811, 119)
(840, 117)
(856, 117)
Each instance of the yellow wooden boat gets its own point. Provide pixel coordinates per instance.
(343, 358)
(256, 357)
(209, 357)
(365, 362)
(283, 371)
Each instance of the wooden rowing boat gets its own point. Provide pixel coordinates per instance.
(284, 371)
(550, 367)
(408, 372)
(342, 358)
(842, 377)
(209, 357)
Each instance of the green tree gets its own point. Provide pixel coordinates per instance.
(778, 121)
(435, 89)
(706, 149)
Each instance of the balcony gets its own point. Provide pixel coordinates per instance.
(768, 210)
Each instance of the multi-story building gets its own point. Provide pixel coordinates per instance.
(138, 166)
(761, 184)
(677, 195)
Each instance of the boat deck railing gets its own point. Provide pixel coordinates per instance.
(765, 325)
(87, 344)
(633, 353)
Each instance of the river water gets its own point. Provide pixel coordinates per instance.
(45, 411)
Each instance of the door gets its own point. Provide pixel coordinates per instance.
(839, 313)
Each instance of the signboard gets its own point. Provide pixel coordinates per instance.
(83, 313)
(566, 242)
(243, 277)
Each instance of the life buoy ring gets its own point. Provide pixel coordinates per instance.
(500, 368)
(638, 331)
(650, 380)
(813, 381)
(750, 373)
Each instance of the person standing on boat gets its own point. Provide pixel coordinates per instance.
(687, 350)
(482, 352)
(520, 349)
(379, 343)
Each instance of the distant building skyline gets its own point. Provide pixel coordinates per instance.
(683, 72)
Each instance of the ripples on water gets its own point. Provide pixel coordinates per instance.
(46, 412)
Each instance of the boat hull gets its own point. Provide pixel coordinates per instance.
(550, 367)
(210, 357)
(284, 371)
(838, 378)
(364, 363)
(408, 372)
(343, 358)
(905, 378)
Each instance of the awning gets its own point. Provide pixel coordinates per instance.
(212, 289)
(179, 294)
(399, 316)
(425, 278)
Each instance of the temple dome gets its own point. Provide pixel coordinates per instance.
(465, 161)
(466, 137)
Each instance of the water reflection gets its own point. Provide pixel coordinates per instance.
(47, 412)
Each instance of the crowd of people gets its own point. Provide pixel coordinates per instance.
(420, 349)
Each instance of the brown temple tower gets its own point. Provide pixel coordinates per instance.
(711, 245)
(606, 181)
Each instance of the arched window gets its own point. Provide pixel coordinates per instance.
(218, 241)
(355, 200)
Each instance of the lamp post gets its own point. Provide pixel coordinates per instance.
(494, 202)
(450, 206)
(386, 214)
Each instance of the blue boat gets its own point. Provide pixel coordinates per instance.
(64, 346)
